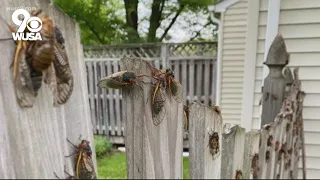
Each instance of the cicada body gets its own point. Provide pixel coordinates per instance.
(158, 101)
(42, 51)
(214, 144)
(118, 80)
(84, 164)
(69, 175)
(186, 118)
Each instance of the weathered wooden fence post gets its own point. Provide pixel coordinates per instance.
(33, 140)
(250, 168)
(204, 121)
(275, 82)
(233, 139)
(152, 151)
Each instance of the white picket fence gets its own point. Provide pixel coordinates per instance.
(194, 65)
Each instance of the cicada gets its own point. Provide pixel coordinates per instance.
(158, 101)
(214, 144)
(35, 59)
(118, 80)
(172, 85)
(84, 164)
(69, 175)
(186, 117)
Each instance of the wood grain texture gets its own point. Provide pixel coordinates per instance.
(250, 149)
(203, 120)
(233, 139)
(152, 151)
(34, 140)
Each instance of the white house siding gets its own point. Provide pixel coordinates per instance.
(299, 24)
(234, 36)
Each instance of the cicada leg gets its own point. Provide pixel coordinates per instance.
(71, 154)
(155, 91)
(76, 147)
(72, 143)
(80, 137)
(140, 76)
(65, 171)
(56, 175)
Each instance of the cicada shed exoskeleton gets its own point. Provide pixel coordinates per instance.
(84, 164)
(47, 57)
(65, 171)
(214, 144)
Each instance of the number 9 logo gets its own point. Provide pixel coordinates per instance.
(34, 24)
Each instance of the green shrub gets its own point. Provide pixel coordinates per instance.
(102, 145)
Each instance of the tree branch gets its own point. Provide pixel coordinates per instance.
(172, 22)
(198, 33)
(131, 7)
(155, 19)
(162, 6)
(92, 29)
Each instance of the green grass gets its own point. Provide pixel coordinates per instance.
(113, 166)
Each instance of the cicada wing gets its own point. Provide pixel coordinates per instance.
(51, 80)
(58, 35)
(85, 168)
(24, 89)
(176, 90)
(60, 72)
(60, 77)
(88, 164)
(112, 81)
(158, 105)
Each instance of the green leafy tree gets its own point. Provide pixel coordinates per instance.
(133, 21)
(100, 23)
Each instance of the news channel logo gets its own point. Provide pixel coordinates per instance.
(32, 23)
